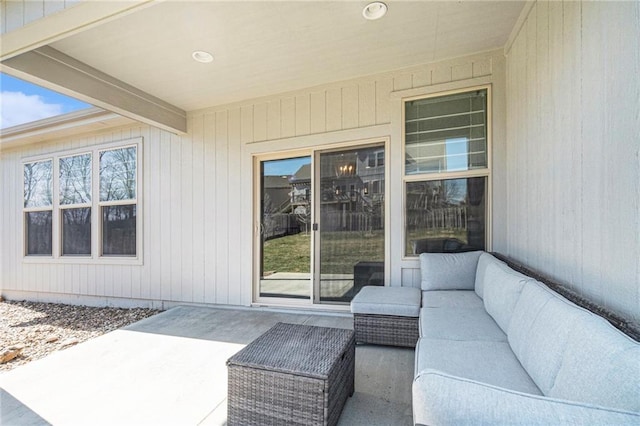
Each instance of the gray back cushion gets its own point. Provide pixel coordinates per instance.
(449, 271)
(539, 331)
(484, 260)
(502, 287)
(600, 366)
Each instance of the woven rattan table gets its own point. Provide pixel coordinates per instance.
(293, 374)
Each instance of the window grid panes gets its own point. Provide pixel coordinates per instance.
(445, 215)
(118, 186)
(119, 230)
(118, 174)
(75, 179)
(38, 184)
(38, 207)
(62, 218)
(76, 231)
(446, 172)
(74, 188)
(38, 230)
(446, 133)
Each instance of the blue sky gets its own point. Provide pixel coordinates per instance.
(22, 102)
(284, 167)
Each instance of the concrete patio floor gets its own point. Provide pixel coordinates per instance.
(170, 369)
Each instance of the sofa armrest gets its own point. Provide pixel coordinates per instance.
(440, 399)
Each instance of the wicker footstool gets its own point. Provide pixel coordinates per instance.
(292, 375)
(386, 315)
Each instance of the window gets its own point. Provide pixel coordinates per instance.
(446, 172)
(376, 159)
(38, 207)
(75, 204)
(118, 170)
(63, 218)
(446, 133)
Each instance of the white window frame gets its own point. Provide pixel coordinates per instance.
(24, 210)
(60, 207)
(96, 205)
(424, 177)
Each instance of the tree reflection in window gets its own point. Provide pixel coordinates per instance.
(38, 230)
(38, 184)
(118, 186)
(445, 215)
(38, 205)
(119, 230)
(75, 179)
(76, 231)
(118, 174)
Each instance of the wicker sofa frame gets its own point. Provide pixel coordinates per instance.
(386, 330)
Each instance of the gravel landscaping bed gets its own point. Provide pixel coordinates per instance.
(30, 330)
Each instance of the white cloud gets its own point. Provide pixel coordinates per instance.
(18, 108)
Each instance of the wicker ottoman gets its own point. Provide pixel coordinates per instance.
(386, 315)
(292, 375)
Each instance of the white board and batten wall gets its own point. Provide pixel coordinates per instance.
(573, 162)
(197, 189)
(565, 187)
(17, 14)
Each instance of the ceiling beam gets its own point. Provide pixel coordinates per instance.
(54, 70)
(62, 24)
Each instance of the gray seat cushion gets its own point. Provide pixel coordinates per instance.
(396, 301)
(440, 398)
(459, 324)
(449, 271)
(467, 299)
(489, 362)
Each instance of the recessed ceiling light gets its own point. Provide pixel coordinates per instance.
(202, 56)
(375, 10)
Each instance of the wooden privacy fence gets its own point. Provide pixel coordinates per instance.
(281, 224)
(351, 221)
(448, 217)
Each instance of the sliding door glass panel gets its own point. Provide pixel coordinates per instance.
(285, 228)
(351, 222)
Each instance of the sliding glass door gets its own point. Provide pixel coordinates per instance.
(321, 225)
(285, 228)
(350, 238)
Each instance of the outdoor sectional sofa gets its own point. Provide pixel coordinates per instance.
(495, 346)
(498, 347)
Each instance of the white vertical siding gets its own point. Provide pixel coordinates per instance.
(573, 120)
(225, 224)
(209, 225)
(235, 195)
(303, 115)
(199, 212)
(15, 14)
(317, 111)
(197, 189)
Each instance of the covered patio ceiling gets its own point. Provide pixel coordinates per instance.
(259, 49)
